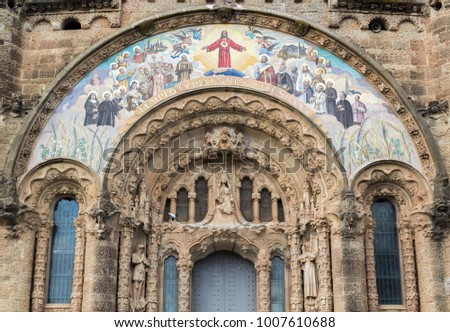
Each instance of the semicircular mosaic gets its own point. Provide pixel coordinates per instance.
(357, 117)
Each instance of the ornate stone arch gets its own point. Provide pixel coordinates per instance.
(39, 190)
(277, 248)
(412, 196)
(246, 113)
(230, 240)
(408, 189)
(170, 248)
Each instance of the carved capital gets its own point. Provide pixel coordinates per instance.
(184, 263)
(256, 196)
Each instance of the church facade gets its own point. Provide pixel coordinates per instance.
(224, 156)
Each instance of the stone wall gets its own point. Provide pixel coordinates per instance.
(414, 49)
(10, 51)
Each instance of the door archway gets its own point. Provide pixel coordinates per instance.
(224, 282)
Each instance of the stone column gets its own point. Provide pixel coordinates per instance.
(349, 274)
(152, 275)
(125, 253)
(430, 271)
(296, 271)
(372, 292)
(191, 197)
(409, 268)
(184, 266)
(16, 279)
(263, 268)
(256, 197)
(173, 204)
(324, 267)
(446, 260)
(210, 212)
(100, 283)
(40, 267)
(237, 195)
(78, 265)
(275, 208)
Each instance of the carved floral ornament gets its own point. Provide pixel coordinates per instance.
(408, 190)
(42, 186)
(243, 17)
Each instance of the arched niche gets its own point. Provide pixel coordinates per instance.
(297, 151)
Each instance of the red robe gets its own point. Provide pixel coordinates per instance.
(267, 74)
(139, 57)
(224, 46)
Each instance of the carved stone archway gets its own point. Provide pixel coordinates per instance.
(39, 191)
(239, 123)
(419, 236)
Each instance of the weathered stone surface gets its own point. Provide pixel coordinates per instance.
(34, 50)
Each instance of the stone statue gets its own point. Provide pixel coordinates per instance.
(307, 196)
(140, 263)
(311, 283)
(225, 199)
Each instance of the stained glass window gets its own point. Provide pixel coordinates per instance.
(170, 290)
(387, 255)
(201, 199)
(166, 216)
(280, 211)
(277, 285)
(182, 205)
(245, 200)
(265, 206)
(62, 252)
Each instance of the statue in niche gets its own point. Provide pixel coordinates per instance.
(140, 263)
(225, 200)
(308, 199)
(308, 258)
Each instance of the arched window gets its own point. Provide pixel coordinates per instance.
(182, 205)
(277, 285)
(387, 254)
(166, 216)
(71, 24)
(281, 217)
(265, 206)
(201, 199)
(62, 252)
(245, 199)
(170, 290)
